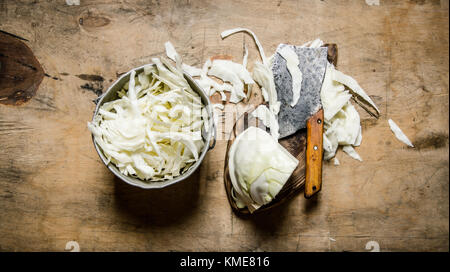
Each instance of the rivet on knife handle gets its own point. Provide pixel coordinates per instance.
(314, 152)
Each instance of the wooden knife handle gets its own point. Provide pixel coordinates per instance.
(314, 152)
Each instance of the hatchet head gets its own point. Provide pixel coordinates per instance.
(312, 64)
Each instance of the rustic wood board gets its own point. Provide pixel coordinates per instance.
(54, 188)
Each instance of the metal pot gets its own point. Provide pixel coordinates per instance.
(111, 94)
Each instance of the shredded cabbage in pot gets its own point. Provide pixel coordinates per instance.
(153, 130)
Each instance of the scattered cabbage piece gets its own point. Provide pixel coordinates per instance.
(354, 86)
(206, 66)
(173, 55)
(224, 71)
(330, 145)
(351, 152)
(333, 94)
(264, 77)
(268, 119)
(234, 73)
(73, 2)
(229, 32)
(346, 123)
(262, 72)
(211, 86)
(216, 116)
(191, 70)
(373, 2)
(399, 133)
(292, 63)
(245, 59)
(171, 52)
(314, 44)
(259, 167)
(342, 122)
(336, 161)
(208, 85)
(343, 129)
(153, 130)
(358, 138)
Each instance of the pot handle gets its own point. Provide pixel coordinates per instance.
(98, 98)
(214, 129)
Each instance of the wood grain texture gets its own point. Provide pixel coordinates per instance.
(54, 188)
(20, 72)
(314, 154)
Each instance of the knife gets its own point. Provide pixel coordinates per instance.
(308, 112)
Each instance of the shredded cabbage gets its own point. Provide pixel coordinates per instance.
(354, 86)
(245, 59)
(342, 122)
(264, 77)
(351, 152)
(171, 52)
(268, 119)
(313, 44)
(191, 70)
(153, 130)
(229, 32)
(336, 161)
(222, 69)
(262, 72)
(234, 73)
(292, 63)
(399, 133)
(333, 94)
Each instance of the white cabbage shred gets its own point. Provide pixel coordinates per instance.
(313, 44)
(373, 2)
(399, 133)
(225, 70)
(171, 52)
(153, 130)
(245, 59)
(336, 161)
(351, 152)
(269, 120)
(353, 86)
(73, 2)
(263, 75)
(259, 167)
(229, 32)
(262, 72)
(342, 122)
(234, 73)
(292, 63)
(191, 70)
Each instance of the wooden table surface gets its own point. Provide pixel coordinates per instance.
(54, 188)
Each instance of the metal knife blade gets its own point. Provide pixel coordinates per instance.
(312, 64)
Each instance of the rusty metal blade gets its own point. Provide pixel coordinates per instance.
(312, 64)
